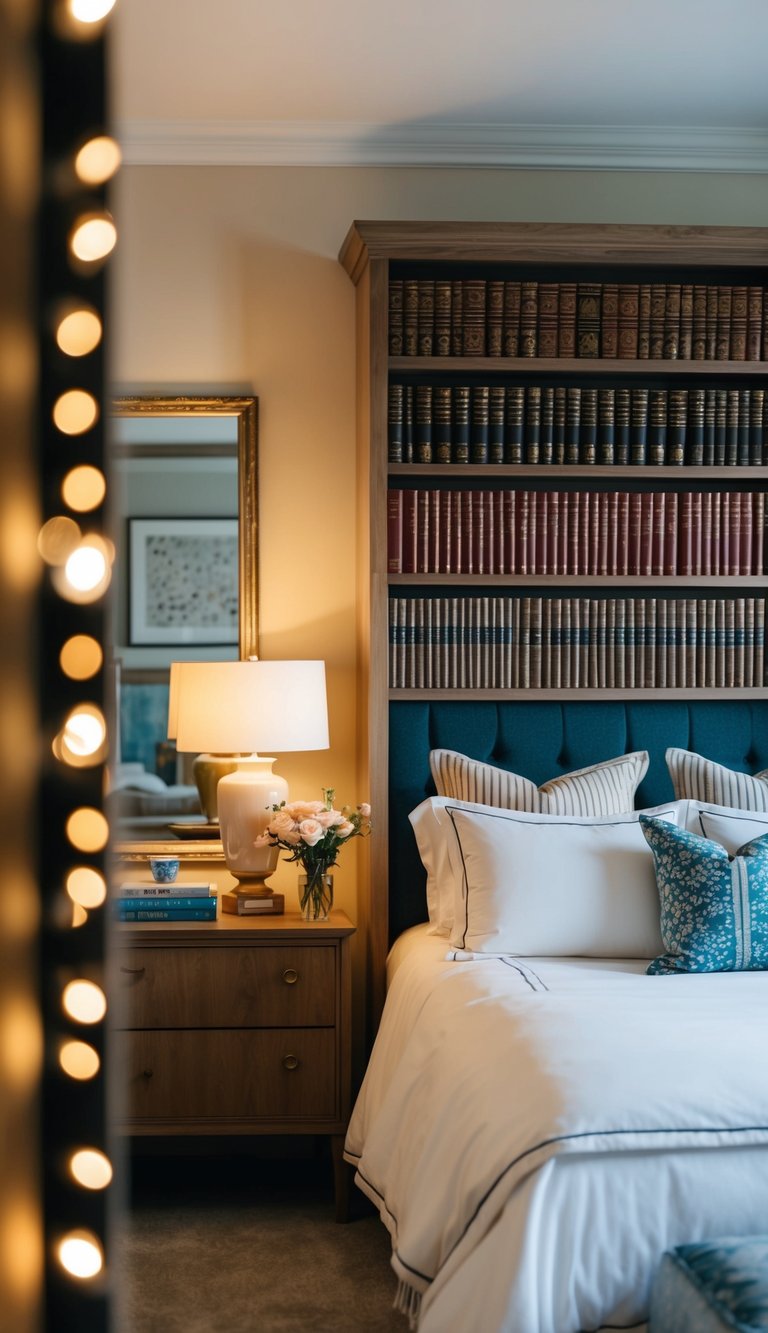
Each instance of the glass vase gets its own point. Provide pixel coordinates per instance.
(315, 895)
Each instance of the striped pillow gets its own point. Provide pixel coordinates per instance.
(602, 789)
(698, 779)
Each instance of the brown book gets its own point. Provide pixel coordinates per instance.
(494, 325)
(685, 341)
(756, 414)
(606, 409)
(566, 320)
(422, 451)
(546, 436)
(548, 319)
(657, 320)
(529, 318)
(394, 531)
(442, 341)
(754, 322)
(473, 317)
(511, 326)
(738, 343)
(657, 426)
(588, 432)
(532, 423)
(628, 320)
(572, 424)
(644, 322)
(609, 321)
(723, 336)
(699, 329)
(672, 321)
(496, 400)
(396, 317)
(588, 319)
(410, 317)
(426, 339)
(711, 324)
(457, 317)
(558, 424)
(638, 427)
(460, 434)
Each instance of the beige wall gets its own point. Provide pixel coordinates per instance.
(227, 279)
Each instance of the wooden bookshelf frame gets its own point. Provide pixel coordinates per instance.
(367, 253)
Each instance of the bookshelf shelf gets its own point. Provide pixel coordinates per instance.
(582, 402)
(721, 581)
(570, 365)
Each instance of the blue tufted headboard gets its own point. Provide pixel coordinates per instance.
(543, 740)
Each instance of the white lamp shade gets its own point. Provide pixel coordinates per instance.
(237, 707)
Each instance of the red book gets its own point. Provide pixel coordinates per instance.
(509, 504)
(433, 543)
(521, 533)
(532, 525)
(745, 559)
(394, 531)
(542, 518)
(714, 543)
(696, 525)
(684, 539)
(489, 532)
(734, 534)
(622, 533)
(422, 532)
(444, 537)
(658, 533)
(563, 536)
(477, 510)
(633, 534)
(409, 529)
(725, 533)
(553, 532)
(612, 523)
(602, 532)
(585, 536)
(646, 532)
(467, 533)
(574, 533)
(670, 533)
(758, 545)
(706, 534)
(455, 531)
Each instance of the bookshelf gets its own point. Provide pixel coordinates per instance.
(712, 359)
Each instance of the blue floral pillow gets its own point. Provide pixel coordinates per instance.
(714, 908)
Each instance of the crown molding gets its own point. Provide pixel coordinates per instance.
(347, 144)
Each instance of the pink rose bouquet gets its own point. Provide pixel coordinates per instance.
(313, 832)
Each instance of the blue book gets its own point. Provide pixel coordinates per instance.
(176, 901)
(144, 913)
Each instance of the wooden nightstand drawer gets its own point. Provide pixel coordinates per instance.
(276, 986)
(286, 1074)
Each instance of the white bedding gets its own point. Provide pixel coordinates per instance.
(536, 1132)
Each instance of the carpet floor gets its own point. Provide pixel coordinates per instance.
(244, 1245)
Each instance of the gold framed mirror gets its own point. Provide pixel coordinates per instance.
(175, 456)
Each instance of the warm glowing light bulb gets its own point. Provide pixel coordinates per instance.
(85, 568)
(81, 657)
(84, 1001)
(84, 488)
(79, 332)
(86, 886)
(87, 829)
(79, 916)
(85, 730)
(91, 1168)
(93, 237)
(75, 412)
(57, 539)
(80, 1253)
(97, 160)
(79, 1060)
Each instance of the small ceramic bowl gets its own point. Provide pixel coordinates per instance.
(164, 868)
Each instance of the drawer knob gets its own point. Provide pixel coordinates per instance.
(134, 971)
(290, 1062)
(290, 976)
(147, 1073)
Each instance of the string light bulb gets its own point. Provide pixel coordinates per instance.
(79, 1060)
(91, 1168)
(93, 237)
(78, 331)
(84, 1001)
(80, 1253)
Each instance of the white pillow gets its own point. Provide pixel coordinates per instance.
(536, 885)
(432, 831)
(699, 779)
(731, 828)
(607, 788)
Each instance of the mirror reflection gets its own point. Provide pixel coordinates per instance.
(185, 480)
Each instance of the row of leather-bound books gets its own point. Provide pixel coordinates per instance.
(576, 424)
(503, 642)
(500, 317)
(490, 532)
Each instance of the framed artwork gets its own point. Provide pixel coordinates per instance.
(183, 581)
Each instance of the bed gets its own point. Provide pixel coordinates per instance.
(536, 1128)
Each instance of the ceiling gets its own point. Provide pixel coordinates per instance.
(456, 82)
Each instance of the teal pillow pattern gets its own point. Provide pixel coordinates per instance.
(714, 908)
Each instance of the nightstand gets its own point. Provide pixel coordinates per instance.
(237, 1026)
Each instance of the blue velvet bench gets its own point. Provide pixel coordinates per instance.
(717, 1286)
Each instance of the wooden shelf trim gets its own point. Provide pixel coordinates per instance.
(569, 365)
(537, 693)
(720, 581)
(726, 475)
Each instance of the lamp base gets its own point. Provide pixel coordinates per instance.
(207, 771)
(245, 800)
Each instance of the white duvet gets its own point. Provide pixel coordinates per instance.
(536, 1132)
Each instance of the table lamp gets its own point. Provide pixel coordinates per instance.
(206, 768)
(233, 710)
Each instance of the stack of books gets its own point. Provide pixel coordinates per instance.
(166, 902)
